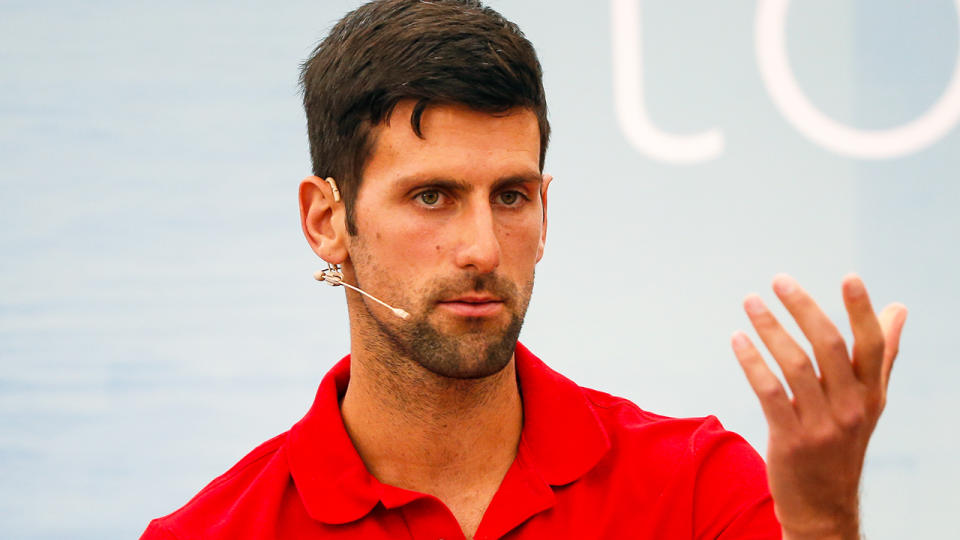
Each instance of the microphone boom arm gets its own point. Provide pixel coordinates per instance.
(334, 277)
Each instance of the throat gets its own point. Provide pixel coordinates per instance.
(429, 422)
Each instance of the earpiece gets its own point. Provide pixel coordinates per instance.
(333, 186)
(334, 276)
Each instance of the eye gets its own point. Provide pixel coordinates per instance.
(429, 198)
(510, 198)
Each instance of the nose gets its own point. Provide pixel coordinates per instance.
(479, 247)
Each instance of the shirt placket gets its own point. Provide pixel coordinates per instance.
(427, 518)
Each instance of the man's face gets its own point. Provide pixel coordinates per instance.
(450, 228)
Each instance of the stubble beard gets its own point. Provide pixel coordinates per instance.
(476, 353)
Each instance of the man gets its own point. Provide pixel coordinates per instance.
(428, 132)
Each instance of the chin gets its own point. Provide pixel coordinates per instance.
(473, 356)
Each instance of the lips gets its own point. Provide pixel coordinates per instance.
(473, 305)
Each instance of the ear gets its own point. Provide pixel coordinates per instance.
(322, 217)
(543, 201)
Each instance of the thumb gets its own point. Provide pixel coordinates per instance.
(891, 322)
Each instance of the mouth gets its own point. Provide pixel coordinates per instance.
(473, 305)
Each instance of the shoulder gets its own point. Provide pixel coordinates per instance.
(260, 472)
(662, 450)
(621, 416)
(684, 469)
(685, 466)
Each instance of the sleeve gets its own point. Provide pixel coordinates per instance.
(731, 497)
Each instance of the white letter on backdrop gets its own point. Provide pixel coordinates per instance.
(771, 48)
(629, 99)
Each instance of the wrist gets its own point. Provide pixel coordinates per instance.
(828, 522)
(843, 531)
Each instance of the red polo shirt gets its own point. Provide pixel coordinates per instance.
(589, 465)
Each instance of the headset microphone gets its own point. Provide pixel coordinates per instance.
(334, 277)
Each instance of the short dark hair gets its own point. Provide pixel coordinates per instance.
(438, 51)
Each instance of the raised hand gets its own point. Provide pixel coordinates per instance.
(818, 438)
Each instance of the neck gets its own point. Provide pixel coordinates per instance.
(415, 429)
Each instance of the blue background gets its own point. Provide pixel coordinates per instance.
(158, 318)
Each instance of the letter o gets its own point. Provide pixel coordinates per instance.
(771, 49)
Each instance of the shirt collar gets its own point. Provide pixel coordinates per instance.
(563, 435)
(562, 439)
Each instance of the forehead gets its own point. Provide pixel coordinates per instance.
(457, 141)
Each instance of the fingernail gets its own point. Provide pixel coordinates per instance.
(754, 305)
(784, 284)
(855, 288)
(902, 316)
(739, 341)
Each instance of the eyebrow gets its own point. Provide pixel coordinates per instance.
(463, 186)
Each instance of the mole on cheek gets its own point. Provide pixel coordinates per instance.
(438, 247)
